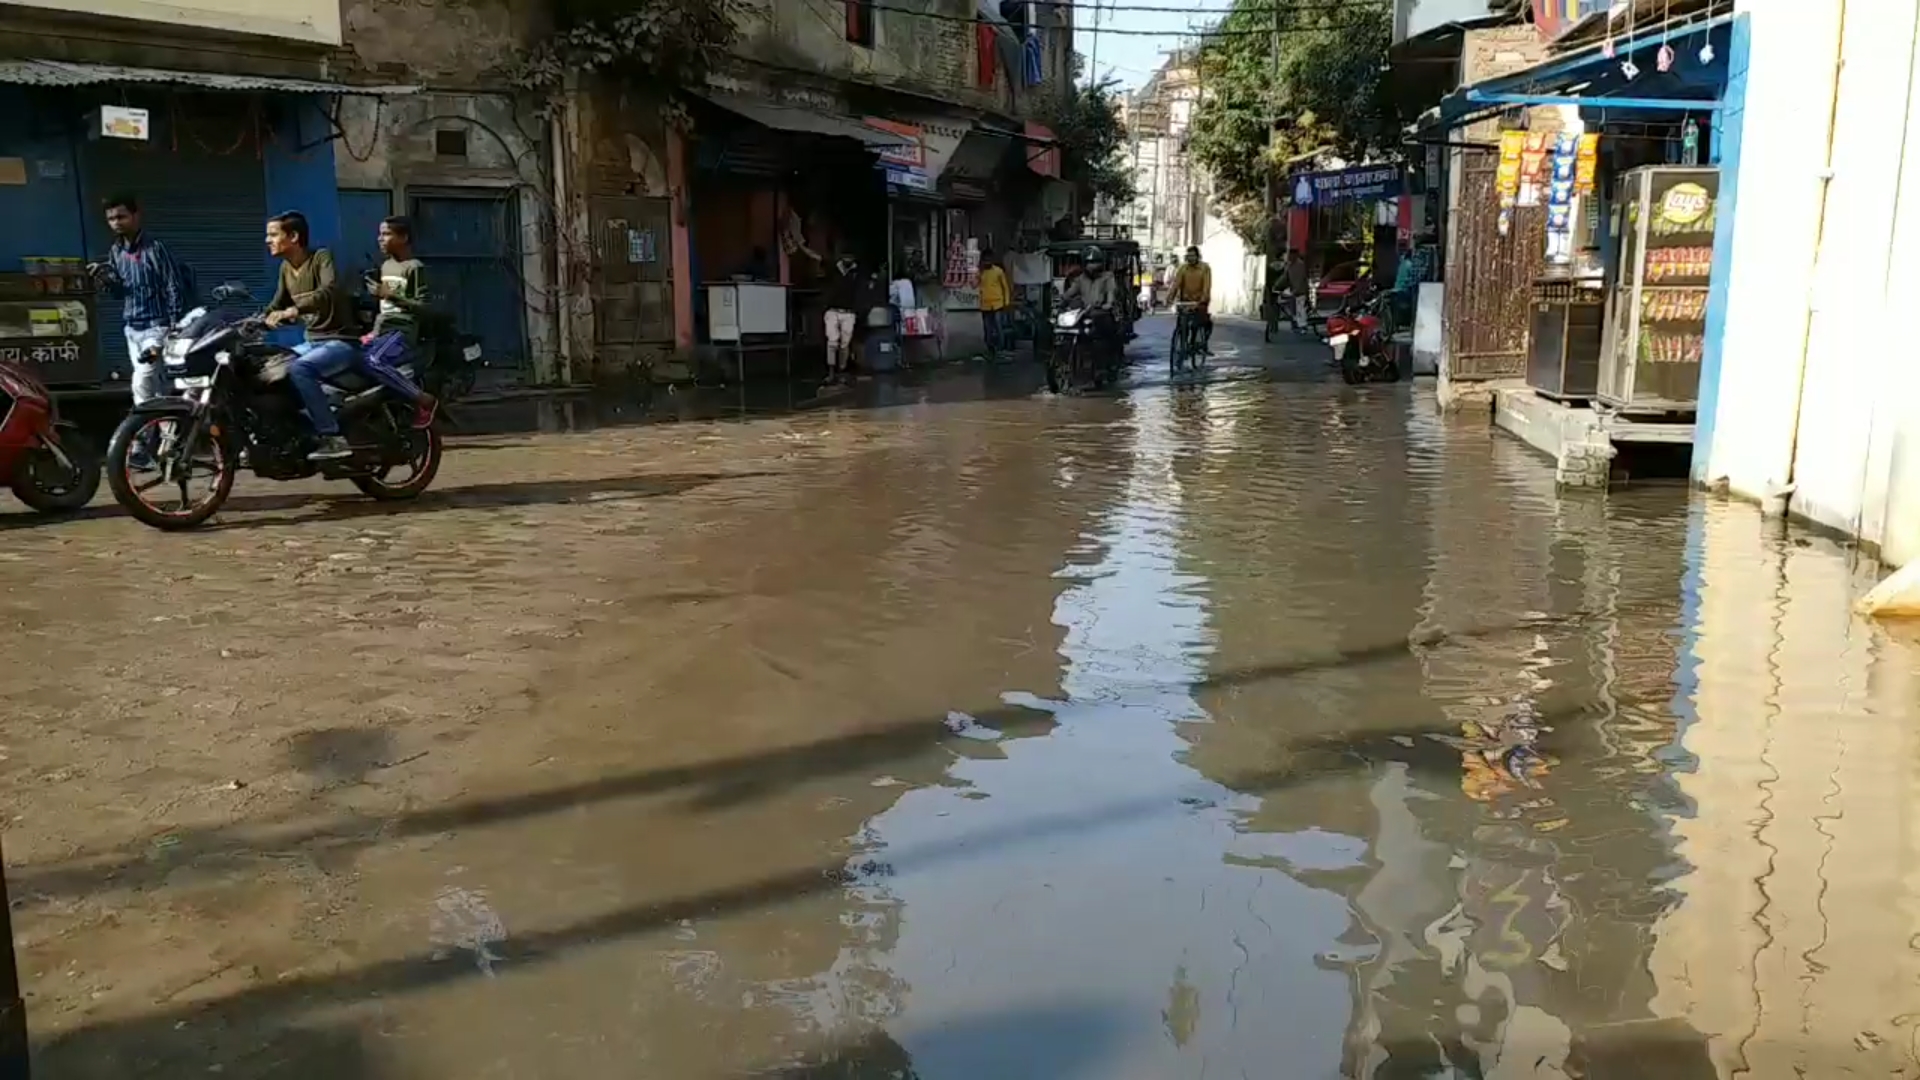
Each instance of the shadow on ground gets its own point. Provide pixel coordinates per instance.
(254, 1024)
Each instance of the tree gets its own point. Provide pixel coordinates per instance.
(1093, 144)
(1272, 99)
(667, 45)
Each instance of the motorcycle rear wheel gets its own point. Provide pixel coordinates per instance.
(427, 449)
(130, 488)
(48, 487)
(1350, 364)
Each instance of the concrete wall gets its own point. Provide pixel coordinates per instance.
(315, 21)
(390, 146)
(1813, 395)
(933, 56)
(446, 44)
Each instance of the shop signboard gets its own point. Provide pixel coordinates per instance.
(1368, 183)
(122, 122)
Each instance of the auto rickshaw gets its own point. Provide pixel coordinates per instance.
(1123, 259)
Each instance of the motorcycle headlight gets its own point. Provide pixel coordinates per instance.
(1068, 320)
(176, 350)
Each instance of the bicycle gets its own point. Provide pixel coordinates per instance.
(1185, 350)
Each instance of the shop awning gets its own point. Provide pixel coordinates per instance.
(62, 73)
(808, 121)
(1589, 78)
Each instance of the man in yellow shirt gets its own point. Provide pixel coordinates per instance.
(1193, 284)
(996, 302)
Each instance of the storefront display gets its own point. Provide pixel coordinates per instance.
(47, 325)
(1657, 308)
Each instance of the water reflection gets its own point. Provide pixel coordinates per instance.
(1248, 729)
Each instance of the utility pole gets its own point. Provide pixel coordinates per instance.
(13, 1011)
(1273, 128)
(1093, 60)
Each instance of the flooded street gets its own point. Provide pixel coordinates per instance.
(1253, 726)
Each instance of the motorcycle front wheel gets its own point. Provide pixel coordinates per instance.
(59, 483)
(182, 452)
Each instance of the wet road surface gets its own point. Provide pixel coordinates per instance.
(1246, 726)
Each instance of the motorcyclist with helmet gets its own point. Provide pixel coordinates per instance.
(1097, 293)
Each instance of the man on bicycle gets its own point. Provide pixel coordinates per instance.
(1193, 284)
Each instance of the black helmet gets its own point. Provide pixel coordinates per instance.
(1095, 257)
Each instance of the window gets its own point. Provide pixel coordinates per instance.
(860, 22)
(450, 143)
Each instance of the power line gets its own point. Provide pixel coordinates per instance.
(971, 20)
(1308, 6)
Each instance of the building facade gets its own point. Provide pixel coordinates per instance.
(1807, 404)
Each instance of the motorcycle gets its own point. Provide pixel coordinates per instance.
(47, 463)
(1361, 340)
(1076, 358)
(236, 409)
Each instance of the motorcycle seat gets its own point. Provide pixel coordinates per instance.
(351, 381)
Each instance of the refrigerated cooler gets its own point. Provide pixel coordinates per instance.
(1657, 302)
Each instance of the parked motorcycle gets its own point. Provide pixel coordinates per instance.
(1362, 344)
(47, 462)
(237, 410)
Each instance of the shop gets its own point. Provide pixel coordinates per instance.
(1547, 268)
(957, 192)
(209, 158)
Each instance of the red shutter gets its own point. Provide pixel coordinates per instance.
(984, 50)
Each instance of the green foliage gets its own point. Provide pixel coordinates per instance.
(1323, 95)
(1093, 143)
(664, 44)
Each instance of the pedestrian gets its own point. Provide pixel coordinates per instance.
(309, 292)
(156, 291)
(402, 292)
(996, 303)
(1297, 282)
(843, 297)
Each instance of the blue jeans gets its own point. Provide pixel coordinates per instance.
(318, 360)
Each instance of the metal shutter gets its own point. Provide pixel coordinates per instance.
(203, 193)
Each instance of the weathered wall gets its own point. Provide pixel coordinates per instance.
(912, 51)
(310, 21)
(389, 145)
(443, 43)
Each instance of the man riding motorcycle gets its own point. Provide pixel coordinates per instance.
(1096, 292)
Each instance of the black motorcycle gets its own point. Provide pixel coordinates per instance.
(236, 409)
(1080, 356)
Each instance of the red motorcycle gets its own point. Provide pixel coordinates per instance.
(49, 465)
(1362, 343)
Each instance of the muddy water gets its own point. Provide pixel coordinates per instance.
(1255, 728)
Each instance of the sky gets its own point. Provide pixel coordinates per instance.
(1128, 57)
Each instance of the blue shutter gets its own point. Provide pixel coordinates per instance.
(470, 243)
(203, 192)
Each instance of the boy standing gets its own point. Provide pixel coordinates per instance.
(402, 292)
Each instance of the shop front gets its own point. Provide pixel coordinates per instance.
(955, 194)
(1608, 163)
(208, 158)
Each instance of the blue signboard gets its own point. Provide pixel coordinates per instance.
(1368, 183)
